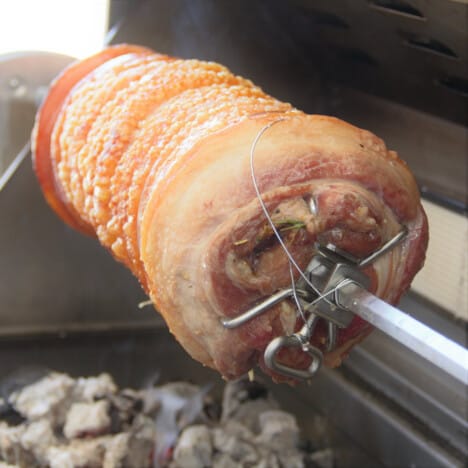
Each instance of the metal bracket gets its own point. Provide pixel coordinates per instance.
(327, 276)
(328, 271)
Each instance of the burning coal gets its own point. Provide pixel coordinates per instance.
(61, 422)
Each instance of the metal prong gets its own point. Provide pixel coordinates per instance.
(338, 255)
(331, 342)
(261, 308)
(393, 242)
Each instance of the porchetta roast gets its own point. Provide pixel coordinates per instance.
(151, 154)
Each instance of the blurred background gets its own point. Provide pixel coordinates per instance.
(70, 28)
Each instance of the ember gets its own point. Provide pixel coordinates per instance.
(89, 422)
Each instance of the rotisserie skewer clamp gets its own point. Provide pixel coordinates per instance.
(334, 288)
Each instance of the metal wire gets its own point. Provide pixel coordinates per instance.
(14, 165)
(265, 209)
(294, 295)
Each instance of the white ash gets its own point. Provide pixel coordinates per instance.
(232, 429)
(84, 419)
(194, 447)
(77, 454)
(37, 438)
(235, 440)
(250, 432)
(270, 461)
(279, 430)
(92, 388)
(243, 402)
(8, 465)
(116, 453)
(11, 450)
(322, 459)
(179, 404)
(222, 460)
(141, 443)
(291, 459)
(45, 398)
(89, 422)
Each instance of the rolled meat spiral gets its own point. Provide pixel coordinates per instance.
(152, 155)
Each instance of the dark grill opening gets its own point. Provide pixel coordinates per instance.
(397, 7)
(428, 44)
(455, 84)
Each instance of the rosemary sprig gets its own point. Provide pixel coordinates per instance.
(289, 224)
(282, 225)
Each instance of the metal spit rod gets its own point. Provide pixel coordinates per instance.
(431, 345)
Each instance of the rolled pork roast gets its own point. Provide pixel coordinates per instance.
(152, 155)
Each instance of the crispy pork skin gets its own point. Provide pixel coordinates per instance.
(152, 155)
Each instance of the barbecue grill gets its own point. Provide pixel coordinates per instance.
(398, 68)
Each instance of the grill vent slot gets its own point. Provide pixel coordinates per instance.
(455, 84)
(397, 7)
(428, 44)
